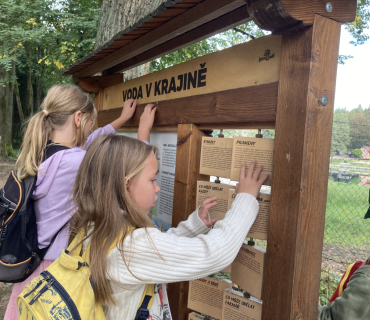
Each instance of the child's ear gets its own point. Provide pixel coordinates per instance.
(78, 115)
(128, 182)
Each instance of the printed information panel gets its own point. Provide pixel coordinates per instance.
(215, 157)
(240, 308)
(249, 149)
(166, 143)
(247, 269)
(260, 226)
(252, 63)
(206, 190)
(206, 296)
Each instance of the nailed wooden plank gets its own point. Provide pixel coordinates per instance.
(250, 104)
(182, 23)
(211, 127)
(301, 164)
(252, 63)
(184, 202)
(226, 22)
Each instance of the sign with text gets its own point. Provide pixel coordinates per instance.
(260, 226)
(215, 157)
(206, 189)
(249, 149)
(249, 64)
(206, 296)
(238, 307)
(166, 143)
(247, 269)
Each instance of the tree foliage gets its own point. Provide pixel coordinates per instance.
(45, 36)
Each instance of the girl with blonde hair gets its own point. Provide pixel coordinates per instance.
(66, 119)
(113, 208)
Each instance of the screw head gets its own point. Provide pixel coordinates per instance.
(329, 7)
(324, 100)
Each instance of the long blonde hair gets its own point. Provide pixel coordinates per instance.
(60, 103)
(106, 211)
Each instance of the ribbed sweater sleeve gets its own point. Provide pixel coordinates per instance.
(183, 258)
(190, 227)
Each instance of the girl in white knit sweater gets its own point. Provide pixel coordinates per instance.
(114, 191)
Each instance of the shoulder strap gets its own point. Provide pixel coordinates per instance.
(52, 148)
(146, 301)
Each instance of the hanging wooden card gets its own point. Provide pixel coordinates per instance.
(240, 308)
(248, 149)
(206, 296)
(247, 269)
(206, 189)
(215, 158)
(260, 225)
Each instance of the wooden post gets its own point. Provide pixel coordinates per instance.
(184, 201)
(301, 164)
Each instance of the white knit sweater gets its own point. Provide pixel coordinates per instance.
(188, 252)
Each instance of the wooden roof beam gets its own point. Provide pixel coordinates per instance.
(221, 24)
(194, 17)
(280, 15)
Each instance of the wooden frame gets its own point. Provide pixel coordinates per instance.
(292, 106)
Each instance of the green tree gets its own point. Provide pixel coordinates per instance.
(359, 130)
(38, 38)
(340, 137)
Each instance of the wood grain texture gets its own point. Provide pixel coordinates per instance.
(184, 201)
(301, 163)
(188, 20)
(94, 84)
(221, 24)
(280, 15)
(250, 104)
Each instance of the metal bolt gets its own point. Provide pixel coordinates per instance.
(329, 7)
(324, 100)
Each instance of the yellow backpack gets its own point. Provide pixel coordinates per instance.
(65, 290)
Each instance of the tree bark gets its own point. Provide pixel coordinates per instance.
(6, 111)
(118, 15)
(18, 101)
(29, 102)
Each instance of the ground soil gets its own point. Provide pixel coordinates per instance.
(6, 166)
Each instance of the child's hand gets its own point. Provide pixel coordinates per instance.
(203, 211)
(128, 110)
(249, 182)
(146, 122)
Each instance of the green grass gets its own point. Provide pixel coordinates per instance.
(345, 210)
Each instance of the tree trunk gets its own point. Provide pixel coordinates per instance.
(29, 102)
(118, 15)
(38, 81)
(6, 112)
(18, 101)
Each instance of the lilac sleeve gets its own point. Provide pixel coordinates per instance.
(108, 129)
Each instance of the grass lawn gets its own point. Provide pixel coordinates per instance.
(345, 210)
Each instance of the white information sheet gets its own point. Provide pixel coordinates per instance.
(166, 143)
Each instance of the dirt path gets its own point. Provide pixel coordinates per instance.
(6, 166)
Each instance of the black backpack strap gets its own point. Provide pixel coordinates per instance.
(143, 312)
(52, 148)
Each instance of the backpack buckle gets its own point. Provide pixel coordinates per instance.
(142, 314)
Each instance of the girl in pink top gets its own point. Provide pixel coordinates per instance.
(66, 117)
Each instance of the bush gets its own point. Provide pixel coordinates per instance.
(357, 153)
